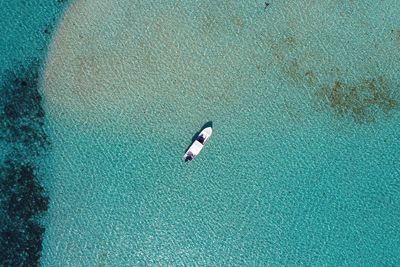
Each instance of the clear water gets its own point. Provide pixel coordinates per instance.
(302, 168)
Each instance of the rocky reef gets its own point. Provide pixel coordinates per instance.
(23, 200)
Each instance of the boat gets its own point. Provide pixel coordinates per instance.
(198, 144)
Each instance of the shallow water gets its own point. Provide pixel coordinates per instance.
(302, 166)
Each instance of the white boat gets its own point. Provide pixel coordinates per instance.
(198, 144)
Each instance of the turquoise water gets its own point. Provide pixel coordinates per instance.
(302, 168)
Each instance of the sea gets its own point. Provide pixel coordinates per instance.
(100, 100)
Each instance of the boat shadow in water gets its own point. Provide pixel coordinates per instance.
(207, 124)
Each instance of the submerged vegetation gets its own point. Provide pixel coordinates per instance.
(23, 200)
(361, 101)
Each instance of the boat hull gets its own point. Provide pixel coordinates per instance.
(198, 144)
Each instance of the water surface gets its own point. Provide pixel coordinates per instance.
(302, 167)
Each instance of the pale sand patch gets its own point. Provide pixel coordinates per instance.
(171, 64)
(142, 64)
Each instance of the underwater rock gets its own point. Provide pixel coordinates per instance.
(22, 116)
(23, 200)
